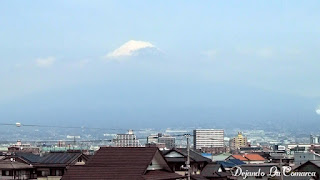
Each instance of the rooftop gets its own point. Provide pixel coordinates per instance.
(123, 163)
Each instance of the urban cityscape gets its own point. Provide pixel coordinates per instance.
(159, 90)
(194, 153)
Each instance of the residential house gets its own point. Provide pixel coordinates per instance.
(50, 166)
(220, 157)
(248, 158)
(55, 164)
(282, 158)
(309, 166)
(124, 163)
(215, 171)
(177, 158)
(11, 169)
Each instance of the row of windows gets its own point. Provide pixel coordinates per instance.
(52, 172)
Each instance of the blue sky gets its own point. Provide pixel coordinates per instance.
(173, 53)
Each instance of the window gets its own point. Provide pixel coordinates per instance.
(59, 172)
(7, 173)
(45, 173)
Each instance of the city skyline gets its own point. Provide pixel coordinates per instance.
(142, 64)
(159, 90)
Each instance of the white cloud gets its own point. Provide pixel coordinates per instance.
(318, 110)
(45, 62)
(129, 48)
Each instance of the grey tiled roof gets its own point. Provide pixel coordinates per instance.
(210, 169)
(29, 157)
(8, 164)
(194, 156)
(59, 158)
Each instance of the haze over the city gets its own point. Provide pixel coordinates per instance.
(144, 64)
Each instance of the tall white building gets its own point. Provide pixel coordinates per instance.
(126, 140)
(314, 139)
(208, 138)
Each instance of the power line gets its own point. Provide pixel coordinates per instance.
(65, 127)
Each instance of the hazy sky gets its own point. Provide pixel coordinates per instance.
(144, 60)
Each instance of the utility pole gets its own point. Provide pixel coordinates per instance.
(188, 157)
(281, 168)
(74, 141)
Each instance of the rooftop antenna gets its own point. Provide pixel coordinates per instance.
(74, 139)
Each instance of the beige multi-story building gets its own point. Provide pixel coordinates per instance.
(238, 141)
(126, 140)
(208, 138)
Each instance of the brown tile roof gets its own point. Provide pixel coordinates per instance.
(117, 163)
(198, 177)
(160, 175)
(240, 157)
(99, 173)
(254, 157)
(249, 157)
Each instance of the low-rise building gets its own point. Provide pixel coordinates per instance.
(110, 163)
(249, 158)
(30, 166)
(215, 171)
(177, 158)
(12, 169)
(168, 141)
(20, 147)
(302, 157)
(309, 166)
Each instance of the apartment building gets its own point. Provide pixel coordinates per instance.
(203, 138)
